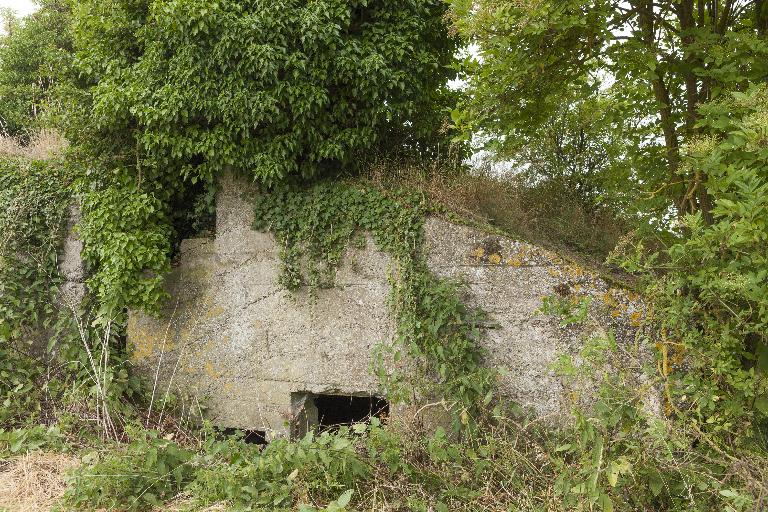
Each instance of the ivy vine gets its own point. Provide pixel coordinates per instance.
(315, 223)
(34, 204)
(34, 200)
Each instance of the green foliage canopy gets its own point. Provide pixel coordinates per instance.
(657, 61)
(35, 55)
(272, 88)
(182, 89)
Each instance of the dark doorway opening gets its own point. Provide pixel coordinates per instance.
(258, 437)
(338, 410)
(328, 412)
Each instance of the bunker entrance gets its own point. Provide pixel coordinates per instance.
(329, 412)
(258, 437)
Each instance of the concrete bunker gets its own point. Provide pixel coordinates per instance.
(234, 339)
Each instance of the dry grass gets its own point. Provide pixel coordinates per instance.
(44, 145)
(549, 215)
(33, 482)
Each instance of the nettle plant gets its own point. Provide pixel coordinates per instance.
(183, 89)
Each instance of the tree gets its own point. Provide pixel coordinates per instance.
(664, 58)
(35, 55)
(183, 89)
(712, 296)
(579, 149)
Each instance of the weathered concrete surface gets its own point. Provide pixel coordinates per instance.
(71, 291)
(71, 264)
(233, 337)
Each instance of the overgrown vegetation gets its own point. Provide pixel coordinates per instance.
(54, 366)
(35, 56)
(35, 200)
(616, 457)
(316, 224)
(547, 213)
(641, 69)
(649, 117)
(720, 320)
(177, 92)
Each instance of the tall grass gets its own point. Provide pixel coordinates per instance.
(549, 214)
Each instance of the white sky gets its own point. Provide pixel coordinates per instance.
(22, 7)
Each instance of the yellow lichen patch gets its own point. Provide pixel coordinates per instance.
(636, 319)
(184, 335)
(616, 313)
(214, 344)
(574, 271)
(555, 272)
(214, 312)
(143, 348)
(478, 253)
(144, 341)
(514, 262)
(211, 372)
(145, 345)
(494, 259)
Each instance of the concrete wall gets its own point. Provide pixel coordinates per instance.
(246, 348)
(72, 290)
(71, 264)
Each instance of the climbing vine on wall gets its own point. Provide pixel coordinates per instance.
(34, 202)
(314, 225)
(34, 197)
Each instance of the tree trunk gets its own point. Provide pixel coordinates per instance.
(761, 17)
(661, 94)
(697, 196)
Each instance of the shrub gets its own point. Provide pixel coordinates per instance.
(316, 469)
(147, 471)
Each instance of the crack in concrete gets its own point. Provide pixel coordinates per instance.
(237, 266)
(261, 299)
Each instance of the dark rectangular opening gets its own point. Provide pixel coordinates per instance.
(337, 410)
(258, 437)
